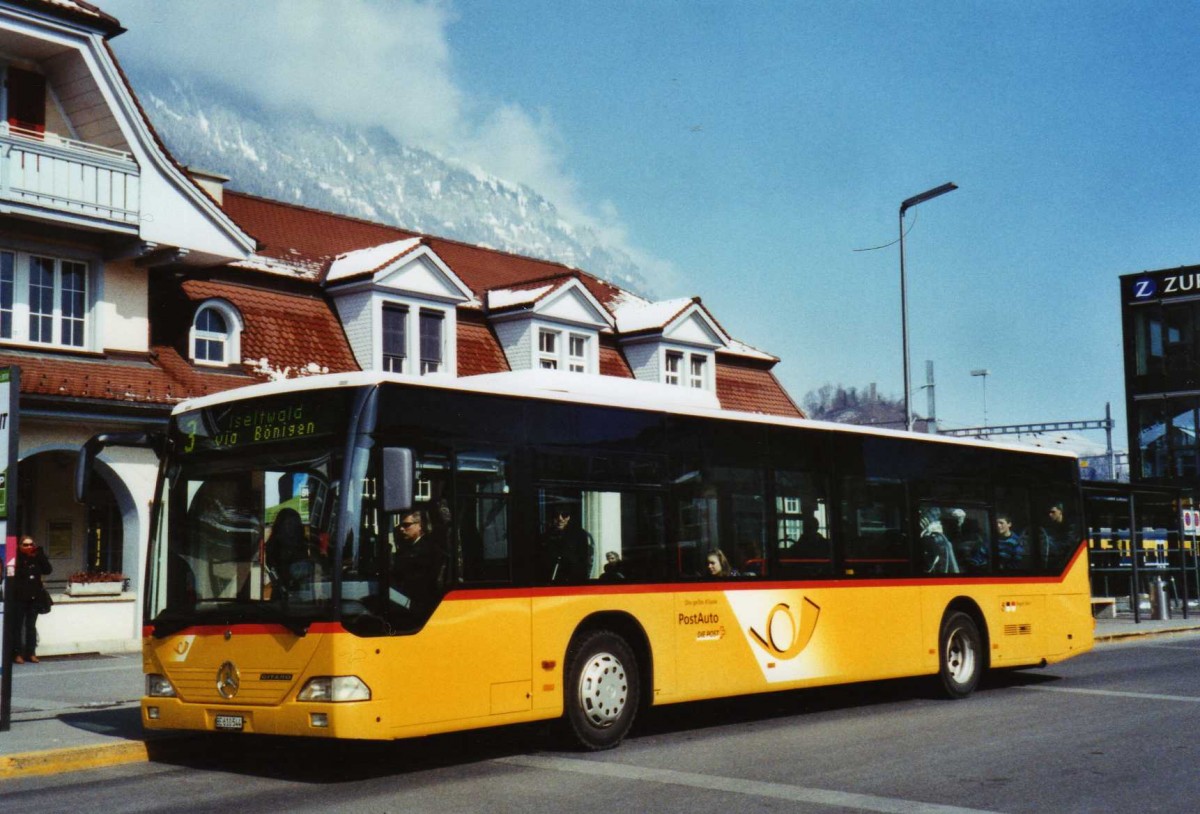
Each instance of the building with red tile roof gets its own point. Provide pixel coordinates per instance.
(113, 316)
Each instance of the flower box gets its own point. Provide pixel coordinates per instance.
(94, 588)
(95, 583)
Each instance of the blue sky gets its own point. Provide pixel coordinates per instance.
(743, 151)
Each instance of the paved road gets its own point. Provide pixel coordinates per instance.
(1116, 730)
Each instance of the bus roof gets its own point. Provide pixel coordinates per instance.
(581, 388)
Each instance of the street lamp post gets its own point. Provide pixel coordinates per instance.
(905, 205)
(983, 372)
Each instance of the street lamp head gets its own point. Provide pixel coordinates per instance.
(926, 195)
(981, 372)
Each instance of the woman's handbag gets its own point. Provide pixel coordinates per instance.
(43, 603)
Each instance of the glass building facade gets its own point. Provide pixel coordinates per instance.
(1161, 324)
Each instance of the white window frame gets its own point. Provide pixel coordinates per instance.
(578, 362)
(673, 373)
(401, 312)
(679, 368)
(698, 381)
(549, 343)
(16, 302)
(554, 349)
(439, 317)
(414, 362)
(232, 338)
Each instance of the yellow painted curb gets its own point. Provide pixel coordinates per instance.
(72, 759)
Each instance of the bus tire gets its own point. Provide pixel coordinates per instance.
(601, 691)
(960, 659)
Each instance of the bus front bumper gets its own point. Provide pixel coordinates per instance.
(316, 720)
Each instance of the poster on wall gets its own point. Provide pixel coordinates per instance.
(10, 386)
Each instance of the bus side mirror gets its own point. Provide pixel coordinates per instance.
(397, 479)
(89, 451)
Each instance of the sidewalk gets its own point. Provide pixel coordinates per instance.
(81, 712)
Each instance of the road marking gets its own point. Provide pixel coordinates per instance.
(733, 785)
(1151, 696)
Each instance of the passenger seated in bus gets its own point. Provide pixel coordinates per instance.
(971, 549)
(937, 550)
(812, 544)
(718, 564)
(567, 550)
(418, 564)
(1011, 554)
(287, 558)
(612, 567)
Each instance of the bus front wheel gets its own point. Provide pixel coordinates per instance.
(602, 690)
(961, 655)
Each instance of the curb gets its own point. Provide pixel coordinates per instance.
(99, 756)
(72, 759)
(1138, 634)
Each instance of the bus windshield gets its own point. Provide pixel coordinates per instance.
(246, 525)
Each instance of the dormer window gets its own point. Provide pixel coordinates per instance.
(395, 337)
(674, 362)
(402, 342)
(577, 354)
(548, 349)
(686, 369)
(564, 350)
(432, 341)
(216, 334)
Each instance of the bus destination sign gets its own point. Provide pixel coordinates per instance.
(233, 426)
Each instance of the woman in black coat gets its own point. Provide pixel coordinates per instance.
(30, 566)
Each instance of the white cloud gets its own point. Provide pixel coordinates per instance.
(385, 63)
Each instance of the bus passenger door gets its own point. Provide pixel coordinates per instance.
(473, 645)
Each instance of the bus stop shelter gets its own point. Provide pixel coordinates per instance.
(1142, 549)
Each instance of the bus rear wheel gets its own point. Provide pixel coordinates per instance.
(602, 690)
(961, 655)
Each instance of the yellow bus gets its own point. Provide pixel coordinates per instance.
(376, 556)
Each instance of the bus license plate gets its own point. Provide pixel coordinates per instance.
(233, 723)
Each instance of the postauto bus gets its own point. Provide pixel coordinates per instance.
(378, 556)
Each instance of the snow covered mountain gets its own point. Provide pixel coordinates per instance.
(366, 173)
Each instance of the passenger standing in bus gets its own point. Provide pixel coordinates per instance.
(567, 548)
(1056, 538)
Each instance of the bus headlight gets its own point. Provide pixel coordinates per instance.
(334, 688)
(159, 687)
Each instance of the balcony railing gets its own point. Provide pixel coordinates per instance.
(85, 180)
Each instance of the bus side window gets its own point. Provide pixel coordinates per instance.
(803, 544)
(874, 523)
(721, 508)
(482, 553)
(1012, 543)
(635, 550)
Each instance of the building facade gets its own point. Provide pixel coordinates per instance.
(1160, 321)
(128, 283)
